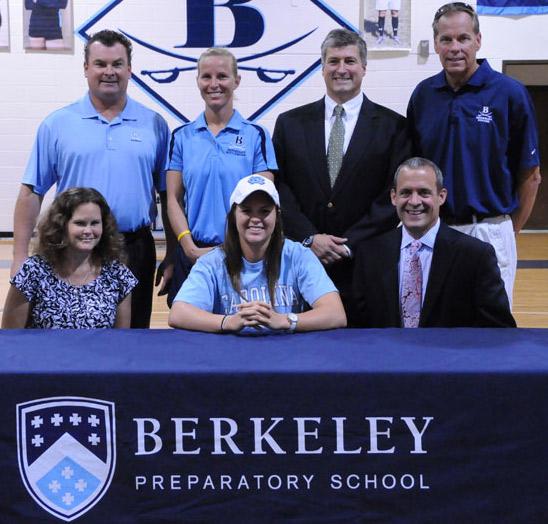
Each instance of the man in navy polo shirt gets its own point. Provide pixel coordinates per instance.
(109, 142)
(479, 127)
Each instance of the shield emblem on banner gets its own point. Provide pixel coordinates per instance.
(67, 452)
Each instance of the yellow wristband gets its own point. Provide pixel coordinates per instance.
(182, 234)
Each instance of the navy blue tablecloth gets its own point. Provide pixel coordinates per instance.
(341, 426)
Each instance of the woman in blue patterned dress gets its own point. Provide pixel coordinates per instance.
(75, 280)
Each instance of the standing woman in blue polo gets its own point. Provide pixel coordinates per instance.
(207, 158)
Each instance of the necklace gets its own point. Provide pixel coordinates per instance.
(81, 281)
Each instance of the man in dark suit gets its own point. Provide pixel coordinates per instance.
(336, 165)
(456, 280)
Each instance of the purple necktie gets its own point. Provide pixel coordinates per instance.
(411, 291)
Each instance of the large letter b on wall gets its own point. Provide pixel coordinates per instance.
(248, 23)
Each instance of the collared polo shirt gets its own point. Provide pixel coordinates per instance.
(211, 166)
(122, 159)
(481, 137)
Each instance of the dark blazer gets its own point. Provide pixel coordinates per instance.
(464, 286)
(358, 206)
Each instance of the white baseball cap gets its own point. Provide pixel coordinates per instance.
(248, 185)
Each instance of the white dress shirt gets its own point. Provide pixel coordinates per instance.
(351, 113)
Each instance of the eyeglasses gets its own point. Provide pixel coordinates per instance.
(460, 6)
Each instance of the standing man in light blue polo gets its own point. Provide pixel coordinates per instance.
(479, 126)
(109, 142)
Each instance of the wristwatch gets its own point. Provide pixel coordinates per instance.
(307, 242)
(293, 319)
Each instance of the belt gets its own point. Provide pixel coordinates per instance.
(198, 243)
(130, 236)
(472, 218)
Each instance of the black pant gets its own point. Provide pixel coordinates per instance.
(181, 268)
(141, 260)
(341, 273)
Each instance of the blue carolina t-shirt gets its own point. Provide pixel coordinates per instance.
(302, 281)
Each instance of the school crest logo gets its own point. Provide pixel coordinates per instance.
(66, 451)
(276, 43)
(485, 115)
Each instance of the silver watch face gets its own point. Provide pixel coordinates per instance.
(292, 318)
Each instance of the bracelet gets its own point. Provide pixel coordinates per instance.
(223, 323)
(182, 234)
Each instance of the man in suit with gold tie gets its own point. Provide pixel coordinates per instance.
(336, 160)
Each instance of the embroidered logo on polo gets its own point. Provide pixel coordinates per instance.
(238, 148)
(275, 53)
(67, 453)
(485, 115)
(135, 137)
(237, 151)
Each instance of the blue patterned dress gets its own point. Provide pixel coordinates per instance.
(56, 304)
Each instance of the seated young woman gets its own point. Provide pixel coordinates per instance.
(257, 282)
(75, 280)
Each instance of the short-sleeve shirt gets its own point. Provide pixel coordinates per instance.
(123, 159)
(481, 136)
(56, 304)
(302, 281)
(211, 166)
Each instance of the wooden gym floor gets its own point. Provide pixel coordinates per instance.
(530, 292)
